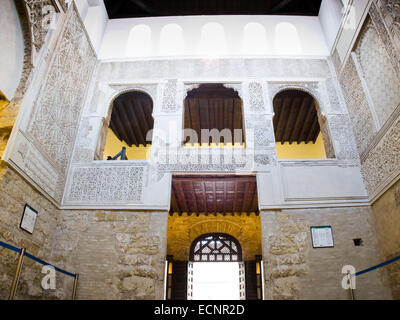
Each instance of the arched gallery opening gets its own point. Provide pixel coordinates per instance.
(127, 133)
(213, 117)
(300, 130)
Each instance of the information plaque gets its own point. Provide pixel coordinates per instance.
(28, 219)
(322, 237)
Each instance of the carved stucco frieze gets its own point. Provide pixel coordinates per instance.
(169, 96)
(256, 97)
(386, 19)
(204, 160)
(357, 104)
(390, 11)
(342, 137)
(106, 184)
(324, 92)
(40, 13)
(150, 89)
(309, 87)
(260, 130)
(38, 168)
(382, 163)
(56, 115)
(222, 70)
(382, 82)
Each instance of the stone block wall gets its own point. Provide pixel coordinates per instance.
(293, 269)
(387, 212)
(118, 254)
(15, 192)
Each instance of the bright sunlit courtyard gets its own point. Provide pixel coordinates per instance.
(216, 281)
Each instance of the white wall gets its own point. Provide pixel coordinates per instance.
(357, 12)
(12, 48)
(311, 38)
(94, 16)
(330, 15)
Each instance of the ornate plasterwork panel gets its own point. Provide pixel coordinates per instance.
(380, 76)
(35, 165)
(381, 166)
(358, 108)
(342, 137)
(57, 110)
(256, 96)
(316, 89)
(221, 70)
(106, 184)
(149, 88)
(204, 160)
(260, 130)
(169, 103)
(385, 15)
(310, 87)
(40, 13)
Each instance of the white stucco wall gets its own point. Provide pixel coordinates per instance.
(310, 37)
(356, 14)
(12, 48)
(94, 16)
(330, 15)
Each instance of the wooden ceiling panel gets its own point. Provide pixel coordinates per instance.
(296, 118)
(153, 8)
(212, 194)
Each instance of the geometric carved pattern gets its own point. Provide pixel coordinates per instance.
(381, 78)
(311, 88)
(382, 162)
(215, 247)
(58, 107)
(106, 184)
(169, 96)
(385, 15)
(357, 105)
(256, 96)
(40, 14)
(342, 136)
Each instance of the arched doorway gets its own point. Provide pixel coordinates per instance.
(216, 269)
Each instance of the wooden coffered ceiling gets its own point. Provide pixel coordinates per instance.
(131, 118)
(213, 194)
(296, 118)
(153, 8)
(213, 106)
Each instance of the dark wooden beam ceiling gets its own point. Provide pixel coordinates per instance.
(213, 194)
(131, 118)
(154, 8)
(296, 118)
(212, 106)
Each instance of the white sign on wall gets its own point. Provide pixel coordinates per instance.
(28, 219)
(322, 237)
